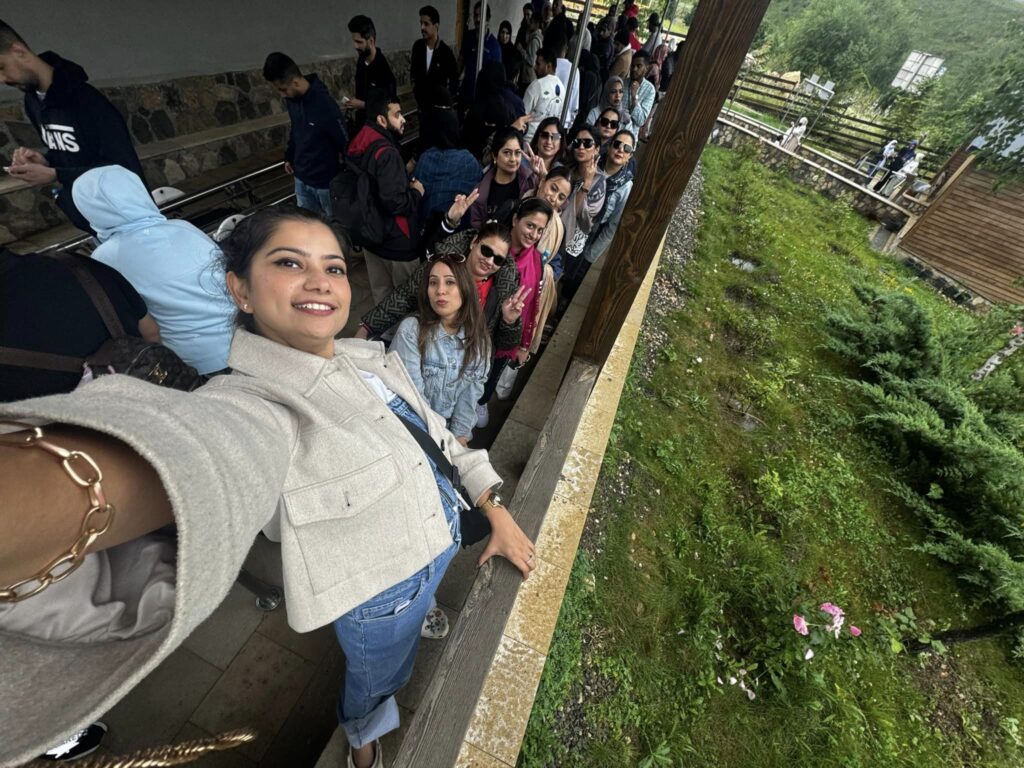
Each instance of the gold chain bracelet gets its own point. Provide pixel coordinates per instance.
(96, 522)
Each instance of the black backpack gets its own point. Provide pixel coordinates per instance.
(121, 353)
(354, 200)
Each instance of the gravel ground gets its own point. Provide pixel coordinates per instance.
(667, 295)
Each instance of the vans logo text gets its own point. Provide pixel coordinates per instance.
(60, 137)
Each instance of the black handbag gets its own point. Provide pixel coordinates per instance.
(474, 524)
(122, 353)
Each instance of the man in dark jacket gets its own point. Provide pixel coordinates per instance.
(560, 30)
(391, 254)
(374, 78)
(317, 133)
(468, 55)
(432, 62)
(78, 126)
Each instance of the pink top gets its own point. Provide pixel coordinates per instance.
(531, 270)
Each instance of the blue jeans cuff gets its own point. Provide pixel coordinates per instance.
(382, 719)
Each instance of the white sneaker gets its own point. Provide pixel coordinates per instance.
(483, 416)
(435, 624)
(378, 757)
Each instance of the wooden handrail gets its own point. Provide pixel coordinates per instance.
(720, 35)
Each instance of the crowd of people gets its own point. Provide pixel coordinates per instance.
(356, 458)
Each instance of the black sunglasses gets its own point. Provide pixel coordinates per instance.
(488, 253)
(550, 135)
(585, 143)
(604, 122)
(627, 148)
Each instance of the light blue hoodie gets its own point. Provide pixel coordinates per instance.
(173, 265)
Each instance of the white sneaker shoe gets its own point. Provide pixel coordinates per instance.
(483, 416)
(435, 624)
(378, 757)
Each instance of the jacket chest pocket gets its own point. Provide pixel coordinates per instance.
(345, 496)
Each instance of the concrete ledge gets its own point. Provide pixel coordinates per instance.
(499, 722)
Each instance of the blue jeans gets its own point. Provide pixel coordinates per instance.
(380, 637)
(312, 199)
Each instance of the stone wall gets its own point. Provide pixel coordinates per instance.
(182, 128)
(804, 171)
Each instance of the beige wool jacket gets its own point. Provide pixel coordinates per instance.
(291, 442)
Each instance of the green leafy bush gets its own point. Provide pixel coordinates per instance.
(955, 443)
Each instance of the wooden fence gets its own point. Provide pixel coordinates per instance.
(843, 133)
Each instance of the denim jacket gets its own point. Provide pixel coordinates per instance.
(436, 374)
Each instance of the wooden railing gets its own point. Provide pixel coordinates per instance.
(831, 126)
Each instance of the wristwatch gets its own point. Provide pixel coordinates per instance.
(492, 501)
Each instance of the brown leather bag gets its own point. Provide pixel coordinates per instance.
(130, 355)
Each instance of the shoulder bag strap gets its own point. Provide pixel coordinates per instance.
(426, 442)
(95, 292)
(48, 361)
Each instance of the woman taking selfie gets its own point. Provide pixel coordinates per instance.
(309, 439)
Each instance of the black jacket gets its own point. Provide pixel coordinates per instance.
(317, 136)
(376, 154)
(558, 33)
(373, 81)
(443, 71)
(81, 130)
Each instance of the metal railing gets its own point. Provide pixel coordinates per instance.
(231, 196)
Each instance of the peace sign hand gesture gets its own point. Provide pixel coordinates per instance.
(512, 307)
(539, 167)
(460, 206)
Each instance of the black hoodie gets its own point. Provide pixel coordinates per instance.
(80, 129)
(317, 135)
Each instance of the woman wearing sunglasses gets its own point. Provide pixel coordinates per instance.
(607, 124)
(548, 142)
(494, 275)
(506, 181)
(587, 198)
(618, 170)
(612, 97)
(529, 221)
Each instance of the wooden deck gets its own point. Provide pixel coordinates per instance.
(974, 235)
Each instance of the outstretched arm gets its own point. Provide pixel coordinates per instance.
(43, 510)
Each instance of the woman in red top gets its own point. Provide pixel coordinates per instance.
(529, 220)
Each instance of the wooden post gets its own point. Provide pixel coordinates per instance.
(716, 44)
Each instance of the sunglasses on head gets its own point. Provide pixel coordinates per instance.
(550, 135)
(605, 122)
(585, 143)
(627, 148)
(488, 253)
(458, 258)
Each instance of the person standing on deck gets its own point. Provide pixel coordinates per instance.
(80, 128)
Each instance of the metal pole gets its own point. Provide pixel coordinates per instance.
(821, 111)
(481, 34)
(581, 23)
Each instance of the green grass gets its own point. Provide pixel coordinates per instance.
(722, 534)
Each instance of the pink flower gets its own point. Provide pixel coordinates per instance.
(831, 609)
(800, 624)
(1017, 330)
(855, 631)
